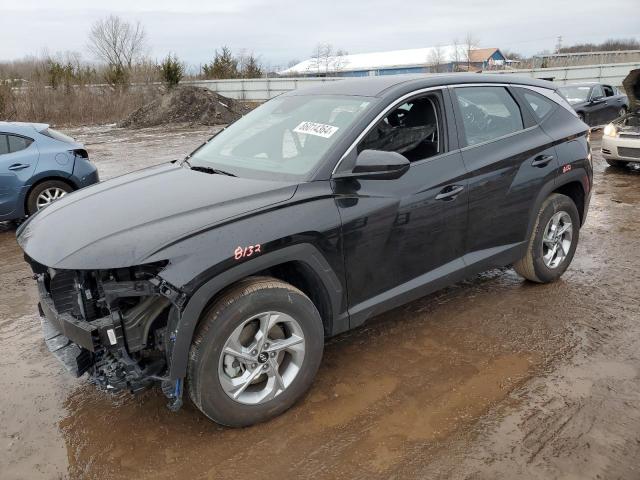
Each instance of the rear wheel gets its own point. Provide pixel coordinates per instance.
(45, 193)
(256, 352)
(622, 112)
(553, 241)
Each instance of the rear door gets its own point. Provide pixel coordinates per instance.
(403, 237)
(509, 158)
(18, 159)
(615, 102)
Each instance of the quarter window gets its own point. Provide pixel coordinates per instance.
(414, 129)
(540, 105)
(4, 144)
(18, 143)
(487, 113)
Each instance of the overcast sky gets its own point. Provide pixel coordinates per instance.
(281, 30)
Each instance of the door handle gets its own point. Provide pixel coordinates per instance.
(18, 166)
(541, 161)
(450, 192)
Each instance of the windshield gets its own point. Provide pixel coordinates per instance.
(285, 138)
(575, 94)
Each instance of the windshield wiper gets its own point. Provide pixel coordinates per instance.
(199, 168)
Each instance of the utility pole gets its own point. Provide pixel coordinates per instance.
(559, 44)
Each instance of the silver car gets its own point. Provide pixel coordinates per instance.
(621, 138)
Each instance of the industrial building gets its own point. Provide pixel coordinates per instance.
(447, 58)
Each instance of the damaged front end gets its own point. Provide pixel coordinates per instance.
(111, 324)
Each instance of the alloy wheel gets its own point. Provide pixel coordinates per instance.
(261, 358)
(557, 238)
(48, 196)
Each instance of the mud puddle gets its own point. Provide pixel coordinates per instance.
(487, 378)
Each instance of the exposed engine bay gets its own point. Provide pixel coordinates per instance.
(111, 324)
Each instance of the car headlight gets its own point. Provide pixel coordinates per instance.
(610, 130)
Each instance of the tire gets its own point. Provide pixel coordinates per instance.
(581, 117)
(211, 370)
(53, 186)
(616, 163)
(533, 266)
(622, 112)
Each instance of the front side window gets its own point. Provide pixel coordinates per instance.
(414, 129)
(487, 113)
(540, 105)
(597, 92)
(17, 143)
(286, 138)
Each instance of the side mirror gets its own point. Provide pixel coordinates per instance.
(377, 164)
(596, 99)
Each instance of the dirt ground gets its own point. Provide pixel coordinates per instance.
(494, 378)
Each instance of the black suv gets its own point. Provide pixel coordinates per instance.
(224, 273)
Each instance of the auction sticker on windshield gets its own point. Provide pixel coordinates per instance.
(317, 129)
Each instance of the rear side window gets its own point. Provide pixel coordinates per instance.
(540, 105)
(487, 113)
(4, 144)
(17, 143)
(608, 90)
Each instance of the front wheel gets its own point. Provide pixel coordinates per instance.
(553, 240)
(255, 353)
(616, 163)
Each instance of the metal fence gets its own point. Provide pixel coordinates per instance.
(261, 89)
(611, 73)
(257, 89)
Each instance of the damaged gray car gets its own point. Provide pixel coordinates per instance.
(621, 138)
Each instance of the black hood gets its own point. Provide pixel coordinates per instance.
(631, 85)
(121, 222)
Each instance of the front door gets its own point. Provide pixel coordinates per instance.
(598, 107)
(404, 237)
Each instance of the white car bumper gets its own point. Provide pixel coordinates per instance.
(625, 148)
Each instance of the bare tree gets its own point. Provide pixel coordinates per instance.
(117, 42)
(325, 58)
(456, 56)
(340, 60)
(436, 58)
(470, 43)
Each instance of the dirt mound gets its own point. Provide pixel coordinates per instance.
(187, 105)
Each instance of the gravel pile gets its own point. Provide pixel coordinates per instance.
(193, 105)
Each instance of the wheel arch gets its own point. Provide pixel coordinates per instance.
(40, 181)
(575, 191)
(574, 184)
(302, 265)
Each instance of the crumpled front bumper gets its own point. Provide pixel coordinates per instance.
(72, 341)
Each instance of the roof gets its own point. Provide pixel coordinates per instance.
(380, 85)
(481, 54)
(413, 57)
(16, 127)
